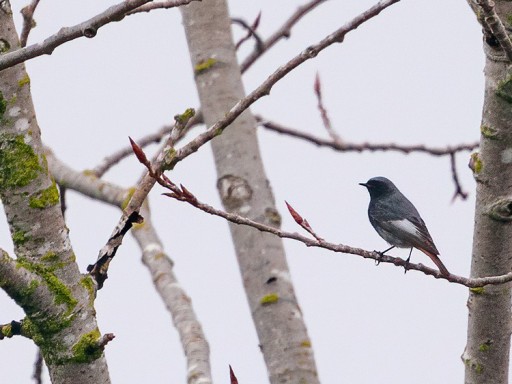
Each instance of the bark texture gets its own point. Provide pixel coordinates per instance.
(489, 326)
(245, 190)
(44, 278)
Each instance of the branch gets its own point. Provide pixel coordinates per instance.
(323, 112)
(251, 31)
(458, 188)
(131, 213)
(166, 4)
(352, 147)
(495, 25)
(113, 159)
(87, 28)
(265, 88)
(281, 33)
(28, 21)
(37, 375)
(183, 194)
(14, 328)
(159, 264)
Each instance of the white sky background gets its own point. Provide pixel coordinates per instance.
(412, 75)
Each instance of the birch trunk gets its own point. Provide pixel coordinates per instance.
(245, 190)
(43, 279)
(489, 326)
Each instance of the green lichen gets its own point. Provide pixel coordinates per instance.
(4, 46)
(89, 285)
(185, 116)
(6, 331)
(305, 344)
(509, 19)
(485, 346)
(3, 106)
(90, 173)
(204, 65)
(479, 368)
(46, 198)
(24, 81)
(41, 331)
(504, 89)
(273, 216)
(269, 299)
(87, 348)
(169, 156)
(218, 132)
(50, 257)
(475, 163)
(477, 290)
(61, 293)
(19, 165)
(128, 197)
(488, 132)
(19, 238)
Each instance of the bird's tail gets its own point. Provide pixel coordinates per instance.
(437, 261)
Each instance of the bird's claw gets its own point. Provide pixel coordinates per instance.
(378, 259)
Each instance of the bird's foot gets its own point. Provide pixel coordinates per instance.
(378, 259)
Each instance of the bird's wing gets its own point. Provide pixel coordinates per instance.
(412, 231)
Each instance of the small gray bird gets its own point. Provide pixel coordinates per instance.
(398, 222)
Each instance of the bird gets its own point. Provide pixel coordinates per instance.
(398, 222)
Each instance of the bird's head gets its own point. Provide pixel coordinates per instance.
(379, 186)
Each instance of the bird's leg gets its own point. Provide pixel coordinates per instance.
(406, 266)
(377, 261)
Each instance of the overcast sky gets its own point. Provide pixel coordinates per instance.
(412, 75)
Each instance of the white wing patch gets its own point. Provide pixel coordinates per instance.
(406, 226)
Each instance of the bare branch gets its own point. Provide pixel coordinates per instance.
(458, 188)
(251, 31)
(352, 147)
(14, 328)
(188, 197)
(113, 159)
(28, 21)
(166, 4)
(130, 215)
(159, 264)
(87, 29)
(265, 88)
(323, 112)
(37, 375)
(281, 33)
(104, 340)
(493, 23)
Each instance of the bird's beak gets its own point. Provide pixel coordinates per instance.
(364, 185)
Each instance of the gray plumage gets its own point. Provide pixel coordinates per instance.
(397, 221)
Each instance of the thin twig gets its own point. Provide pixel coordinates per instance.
(265, 88)
(283, 32)
(251, 32)
(87, 29)
(323, 112)
(28, 21)
(183, 194)
(458, 188)
(37, 375)
(353, 147)
(111, 160)
(168, 157)
(99, 270)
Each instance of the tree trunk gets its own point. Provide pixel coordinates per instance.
(44, 278)
(489, 327)
(244, 189)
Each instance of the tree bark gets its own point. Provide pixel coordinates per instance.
(489, 326)
(245, 190)
(44, 279)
